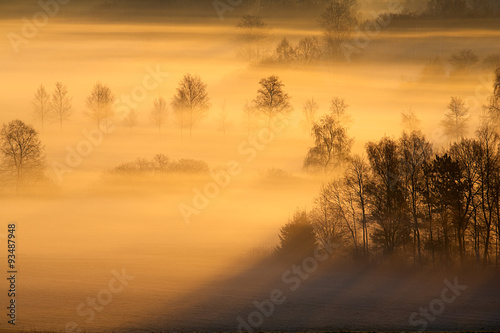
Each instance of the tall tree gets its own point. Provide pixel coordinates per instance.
(100, 104)
(356, 181)
(338, 21)
(41, 105)
(456, 119)
(61, 104)
(415, 152)
(386, 196)
(272, 101)
(190, 103)
(22, 152)
(158, 115)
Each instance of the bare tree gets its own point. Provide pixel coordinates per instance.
(100, 104)
(415, 152)
(22, 152)
(272, 101)
(338, 21)
(308, 50)
(224, 122)
(41, 105)
(130, 120)
(455, 122)
(309, 112)
(325, 217)
(61, 104)
(356, 182)
(410, 121)
(191, 102)
(159, 115)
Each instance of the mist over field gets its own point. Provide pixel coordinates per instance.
(146, 225)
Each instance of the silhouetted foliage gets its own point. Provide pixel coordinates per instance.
(272, 101)
(100, 104)
(23, 159)
(297, 238)
(191, 102)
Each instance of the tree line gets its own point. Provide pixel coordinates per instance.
(405, 200)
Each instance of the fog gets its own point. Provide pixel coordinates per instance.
(72, 234)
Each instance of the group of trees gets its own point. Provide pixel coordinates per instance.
(189, 105)
(55, 106)
(407, 200)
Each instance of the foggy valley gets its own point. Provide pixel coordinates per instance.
(328, 165)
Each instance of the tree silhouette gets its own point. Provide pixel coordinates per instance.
(191, 102)
(271, 100)
(100, 104)
(130, 120)
(386, 193)
(456, 119)
(22, 152)
(338, 109)
(297, 238)
(415, 152)
(338, 21)
(158, 115)
(60, 104)
(357, 177)
(332, 145)
(41, 105)
(308, 50)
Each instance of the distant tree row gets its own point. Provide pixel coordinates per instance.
(188, 106)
